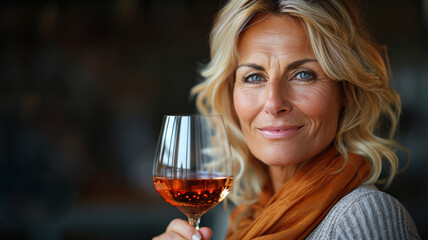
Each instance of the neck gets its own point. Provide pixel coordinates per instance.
(281, 174)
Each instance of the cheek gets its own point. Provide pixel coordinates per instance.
(245, 103)
(323, 105)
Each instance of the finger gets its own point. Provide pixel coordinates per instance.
(182, 228)
(168, 236)
(206, 233)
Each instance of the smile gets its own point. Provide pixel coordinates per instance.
(279, 132)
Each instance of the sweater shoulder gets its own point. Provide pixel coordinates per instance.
(366, 213)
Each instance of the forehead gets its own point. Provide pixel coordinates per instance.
(275, 34)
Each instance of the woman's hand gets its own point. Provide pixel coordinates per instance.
(180, 229)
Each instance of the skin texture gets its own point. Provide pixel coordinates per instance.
(287, 107)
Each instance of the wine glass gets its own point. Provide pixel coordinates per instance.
(192, 168)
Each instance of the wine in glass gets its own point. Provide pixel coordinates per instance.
(192, 169)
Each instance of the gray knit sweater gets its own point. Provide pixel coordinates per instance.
(366, 213)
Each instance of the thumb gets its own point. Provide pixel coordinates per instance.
(206, 233)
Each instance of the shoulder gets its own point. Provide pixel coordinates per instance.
(366, 213)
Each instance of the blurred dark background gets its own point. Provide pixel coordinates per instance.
(84, 86)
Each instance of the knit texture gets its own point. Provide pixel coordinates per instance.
(366, 213)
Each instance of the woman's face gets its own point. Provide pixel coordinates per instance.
(287, 107)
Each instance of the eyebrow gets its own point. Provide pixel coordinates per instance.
(292, 65)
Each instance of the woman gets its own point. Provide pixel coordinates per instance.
(311, 117)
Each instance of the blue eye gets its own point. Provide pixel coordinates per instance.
(305, 76)
(253, 78)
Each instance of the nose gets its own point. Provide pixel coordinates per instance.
(277, 99)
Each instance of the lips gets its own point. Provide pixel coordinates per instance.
(278, 132)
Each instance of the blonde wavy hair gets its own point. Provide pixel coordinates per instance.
(345, 52)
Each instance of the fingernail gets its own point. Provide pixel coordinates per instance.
(196, 236)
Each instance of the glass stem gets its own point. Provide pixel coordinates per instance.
(194, 221)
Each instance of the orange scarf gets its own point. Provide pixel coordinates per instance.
(301, 202)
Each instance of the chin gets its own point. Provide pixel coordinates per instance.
(280, 158)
